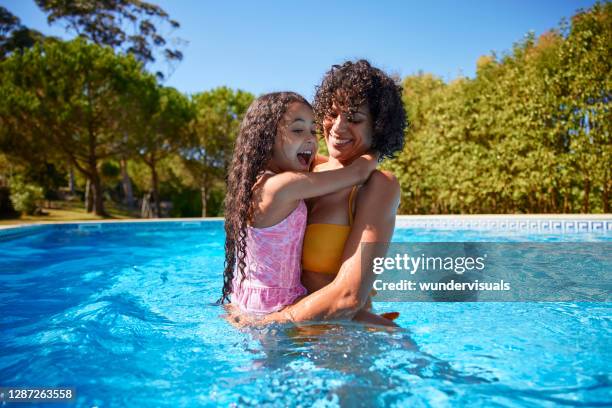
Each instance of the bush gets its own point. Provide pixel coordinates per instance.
(24, 196)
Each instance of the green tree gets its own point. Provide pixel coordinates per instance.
(207, 151)
(163, 121)
(128, 26)
(587, 54)
(530, 133)
(14, 36)
(70, 98)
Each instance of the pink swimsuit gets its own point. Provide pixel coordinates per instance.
(273, 265)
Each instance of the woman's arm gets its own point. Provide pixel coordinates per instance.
(374, 222)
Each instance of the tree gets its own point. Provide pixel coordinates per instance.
(587, 54)
(207, 150)
(70, 98)
(105, 22)
(163, 120)
(530, 133)
(14, 36)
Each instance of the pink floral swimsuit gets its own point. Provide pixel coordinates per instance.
(273, 265)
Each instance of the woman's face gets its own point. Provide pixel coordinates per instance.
(348, 139)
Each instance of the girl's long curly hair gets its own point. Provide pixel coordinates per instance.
(252, 153)
(353, 83)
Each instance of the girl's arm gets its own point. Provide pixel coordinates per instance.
(347, 293)
(294, 185)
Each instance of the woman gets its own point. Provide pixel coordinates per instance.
(358, 108)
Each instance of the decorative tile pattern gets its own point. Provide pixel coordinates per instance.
(545, 225)
(565, 226)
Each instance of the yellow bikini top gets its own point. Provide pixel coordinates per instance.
(324, 244)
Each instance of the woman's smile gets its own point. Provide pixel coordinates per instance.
(347, 136)
(338, 142)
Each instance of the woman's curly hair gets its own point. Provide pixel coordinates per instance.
(252, 153)
(353, 83)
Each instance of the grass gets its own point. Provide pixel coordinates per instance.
(56, 211)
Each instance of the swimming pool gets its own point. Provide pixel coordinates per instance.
(124, 313)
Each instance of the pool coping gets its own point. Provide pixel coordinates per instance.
(433, 217)
(537, 223)
(602, 217)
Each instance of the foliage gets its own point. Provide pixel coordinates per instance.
(207, 150)
(14, 36)
(530, 133)
(69, 98)
(159, 121)
(107, 22)
(25, 197)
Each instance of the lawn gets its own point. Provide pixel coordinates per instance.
(56, 211)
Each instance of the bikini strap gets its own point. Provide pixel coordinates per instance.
(350, 204)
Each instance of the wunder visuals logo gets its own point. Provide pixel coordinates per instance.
(491, 271)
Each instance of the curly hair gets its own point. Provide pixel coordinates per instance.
(252, 153)
(353, 83)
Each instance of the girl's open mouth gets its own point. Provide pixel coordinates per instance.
(304, 157)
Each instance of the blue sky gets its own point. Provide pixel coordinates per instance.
(263, 46)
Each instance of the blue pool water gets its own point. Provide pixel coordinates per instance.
(125, 315)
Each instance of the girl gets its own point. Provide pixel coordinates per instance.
(265, 218)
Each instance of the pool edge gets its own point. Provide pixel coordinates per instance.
(554, 223)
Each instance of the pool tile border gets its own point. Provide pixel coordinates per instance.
(566, 224)
(517, 224)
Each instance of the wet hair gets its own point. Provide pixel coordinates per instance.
(252, 153)
(353, 83)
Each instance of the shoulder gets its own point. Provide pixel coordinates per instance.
(381, 191)
(383, 182)
(324, 166)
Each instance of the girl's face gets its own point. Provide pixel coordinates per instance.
(348, 139)
(295, 145)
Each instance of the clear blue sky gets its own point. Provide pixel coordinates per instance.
(263, 46)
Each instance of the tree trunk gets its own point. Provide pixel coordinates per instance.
(89, 202)
(71, 180)
(606, 196)
(98, 198)
(155, 183)
(145, 209)
(553, 194)
(128, 191)
(204, 196)
(587, 191)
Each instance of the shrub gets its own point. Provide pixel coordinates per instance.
(25, 196)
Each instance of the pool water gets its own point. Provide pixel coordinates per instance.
(126, 315)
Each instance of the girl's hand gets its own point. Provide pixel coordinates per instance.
(365, 164)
